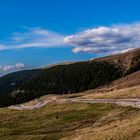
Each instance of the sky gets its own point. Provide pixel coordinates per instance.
(36, 33)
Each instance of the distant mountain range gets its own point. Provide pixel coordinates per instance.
(67, 78)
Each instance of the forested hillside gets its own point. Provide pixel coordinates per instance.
(22, 86)
(12, 81)
(71, 78)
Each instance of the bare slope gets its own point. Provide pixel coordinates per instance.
(124, 82)
(124, 60)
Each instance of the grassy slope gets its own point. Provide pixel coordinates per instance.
(112, 127)
(69, 120)
(124, 82)
(127, 93)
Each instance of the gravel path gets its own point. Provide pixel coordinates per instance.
(123, 102)
(39, 104)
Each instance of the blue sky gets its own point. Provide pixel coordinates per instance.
(41, 32)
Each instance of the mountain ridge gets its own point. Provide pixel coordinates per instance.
(65, 78)
(124, 60)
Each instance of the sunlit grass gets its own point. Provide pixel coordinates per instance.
(55, 121)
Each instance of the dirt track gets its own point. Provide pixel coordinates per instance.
(123, 102)
(41, 103)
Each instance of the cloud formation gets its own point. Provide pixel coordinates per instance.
(106, 40)
(101, 40)
(33, 37)
(10, 68)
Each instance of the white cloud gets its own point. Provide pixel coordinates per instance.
(106, 40)
(20, 65)
(10, 68)
(34, 37)
(101, 40)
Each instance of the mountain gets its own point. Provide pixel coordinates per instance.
(129, 61)
(127, 81)
(67, 78)
(12, 81)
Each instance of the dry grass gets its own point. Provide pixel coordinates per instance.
(113, 127)
(132, 92)
(70, 120)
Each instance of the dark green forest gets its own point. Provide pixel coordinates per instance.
(12, 81)
(71, 78)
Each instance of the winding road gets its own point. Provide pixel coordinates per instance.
(124, 102)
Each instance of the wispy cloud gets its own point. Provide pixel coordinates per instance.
(101, 40)
(34, 37)
(109, 40)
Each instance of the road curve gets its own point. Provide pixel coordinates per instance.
(124, 102)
